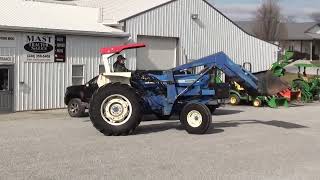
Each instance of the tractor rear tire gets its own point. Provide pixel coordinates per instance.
(234, 99)
(115, 109)
(196, 118)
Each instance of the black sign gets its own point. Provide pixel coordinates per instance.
(60, 48)
(38, 47)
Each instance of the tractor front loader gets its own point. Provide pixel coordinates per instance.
(117, 106)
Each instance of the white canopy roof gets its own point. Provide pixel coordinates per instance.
(47, 17)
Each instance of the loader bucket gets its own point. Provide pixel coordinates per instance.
(275, 102)
(269, 84)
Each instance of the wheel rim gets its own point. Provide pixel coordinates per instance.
(116, 109)
(256, 103)
(74, 108)
(233, 100)
(194, 118)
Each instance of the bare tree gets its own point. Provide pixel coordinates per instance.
(315, 16)
(268, 21)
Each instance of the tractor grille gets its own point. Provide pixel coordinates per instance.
(221, 90)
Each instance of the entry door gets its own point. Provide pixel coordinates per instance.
(6, 89)
(160, 53)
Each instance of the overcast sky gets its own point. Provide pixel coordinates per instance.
(243, 9)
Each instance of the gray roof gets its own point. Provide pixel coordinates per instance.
(296, 31)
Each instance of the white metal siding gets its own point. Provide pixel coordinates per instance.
(211, 33)
(42, 85)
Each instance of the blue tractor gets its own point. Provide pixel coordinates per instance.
(189, 91)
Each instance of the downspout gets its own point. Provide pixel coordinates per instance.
(311, 50)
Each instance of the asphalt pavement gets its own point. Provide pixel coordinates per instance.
(246, 143)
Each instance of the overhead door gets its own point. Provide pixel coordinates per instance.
(160, 53)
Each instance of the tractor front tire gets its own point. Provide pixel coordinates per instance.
(115, 109)
(196, 118)
(234, 99)
(257, 102)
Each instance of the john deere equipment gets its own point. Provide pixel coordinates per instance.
(309, 86)
(117, 106)
(239, 95)
(278, 67)
(269, 84)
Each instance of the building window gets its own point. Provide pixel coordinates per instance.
(4, 79)
(77, 75)
(101, 69)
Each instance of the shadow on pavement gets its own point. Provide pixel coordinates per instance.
(296, 104)
(214, 129)
(153, 118)
(154, 128)
(221, 112)
(275, 123)
(218, 112)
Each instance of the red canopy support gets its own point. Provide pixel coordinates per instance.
(118, 49)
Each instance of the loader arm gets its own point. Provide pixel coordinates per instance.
(226, 65)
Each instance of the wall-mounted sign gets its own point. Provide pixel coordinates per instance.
(7, 40)
(6, 59)
(60, 49)
(39, 48)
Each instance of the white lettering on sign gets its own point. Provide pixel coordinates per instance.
(39, 47)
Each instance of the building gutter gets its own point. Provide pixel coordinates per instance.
(63, 31)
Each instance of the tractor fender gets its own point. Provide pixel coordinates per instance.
(235, 92)
(121, 77)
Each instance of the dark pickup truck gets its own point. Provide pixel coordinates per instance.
(77, 98)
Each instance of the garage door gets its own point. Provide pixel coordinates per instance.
(160, 53)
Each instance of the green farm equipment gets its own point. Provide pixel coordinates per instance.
(278, 67)
(239, 95)
(270, 84)
(289, 57)
(309, 86)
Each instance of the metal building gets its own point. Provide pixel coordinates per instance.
(68, 38)
(178, 31)
(46, 47)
